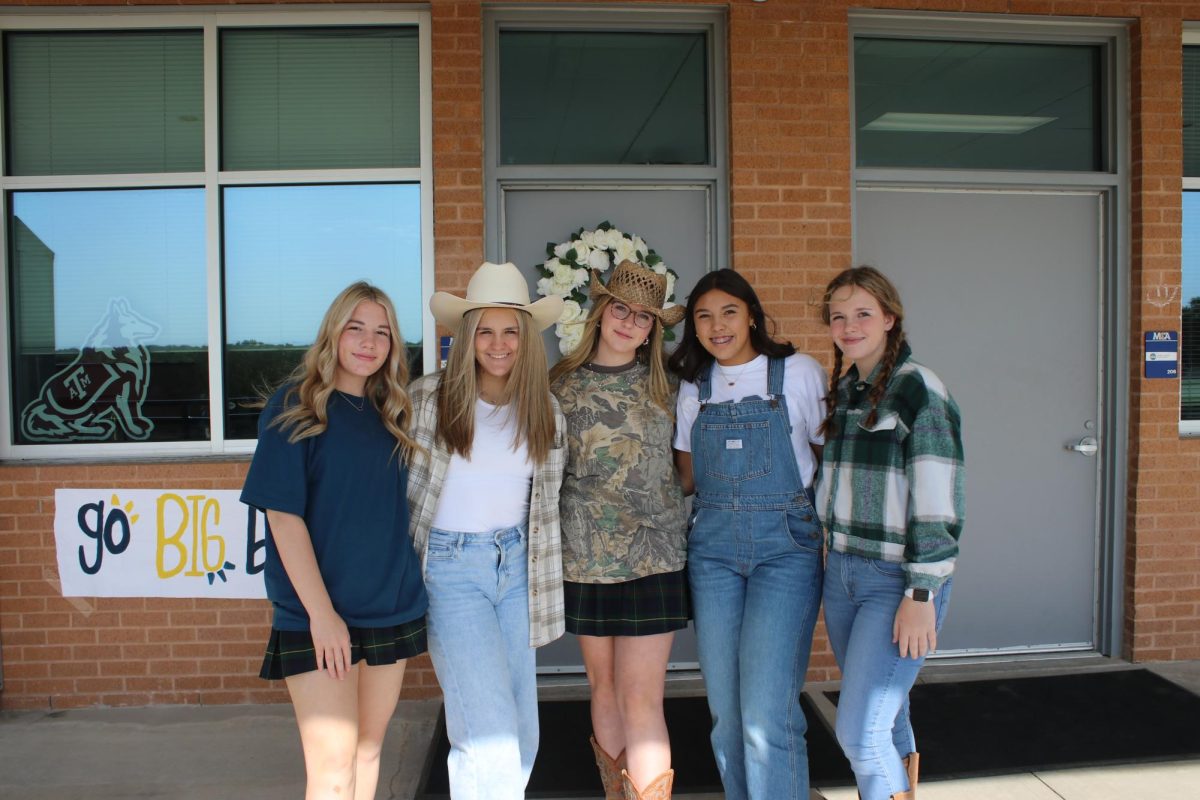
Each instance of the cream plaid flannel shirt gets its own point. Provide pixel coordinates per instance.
(427, 473)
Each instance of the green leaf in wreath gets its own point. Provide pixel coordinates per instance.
(571, 256)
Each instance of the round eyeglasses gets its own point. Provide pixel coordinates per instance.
(643, 319)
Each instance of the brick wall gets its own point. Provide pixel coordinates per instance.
(790, 206)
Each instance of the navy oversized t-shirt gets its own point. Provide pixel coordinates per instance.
(349, 487)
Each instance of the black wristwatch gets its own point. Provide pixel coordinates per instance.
(920, 595)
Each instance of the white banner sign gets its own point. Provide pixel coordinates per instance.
(158, 543)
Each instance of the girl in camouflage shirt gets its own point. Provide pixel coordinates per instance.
(623, 526)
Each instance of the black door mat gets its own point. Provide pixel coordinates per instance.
(997, 727)
(565, 766)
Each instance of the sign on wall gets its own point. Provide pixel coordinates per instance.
(158, 543)
(1162, 354)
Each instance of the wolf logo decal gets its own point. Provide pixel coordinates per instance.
(102, 388)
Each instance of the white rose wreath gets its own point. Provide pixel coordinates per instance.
(567, 271)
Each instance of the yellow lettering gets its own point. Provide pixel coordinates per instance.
(195, 571)
(212, 509)
(173, 541)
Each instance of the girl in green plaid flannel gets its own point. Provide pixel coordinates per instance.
(891, 494)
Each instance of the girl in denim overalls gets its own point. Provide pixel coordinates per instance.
(746, 442)
(891, 492)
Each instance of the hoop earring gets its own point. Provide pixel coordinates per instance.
(753, 324)
(645, 341)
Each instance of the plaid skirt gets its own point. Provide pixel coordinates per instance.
(292, 653)
(641, 607)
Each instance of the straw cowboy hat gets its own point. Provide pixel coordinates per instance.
(495, 286)
(632, 283)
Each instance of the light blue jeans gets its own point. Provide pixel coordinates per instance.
(873, 726)
(756, 587)
(478, 624)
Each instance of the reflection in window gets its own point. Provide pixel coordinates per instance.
(288, 251)
(977, 105)
(1190, 345)
(109, 321)
(603, 98)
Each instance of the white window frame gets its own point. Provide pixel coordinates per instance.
(1188, 427)
(213, 180)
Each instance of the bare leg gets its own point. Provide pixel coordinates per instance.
(378, 691)
(598, 658)
(640, 671)
(327, 713)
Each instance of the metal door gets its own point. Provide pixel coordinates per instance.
(1001, 294)
(674, 220)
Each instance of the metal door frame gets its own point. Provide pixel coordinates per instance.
(1113, 182)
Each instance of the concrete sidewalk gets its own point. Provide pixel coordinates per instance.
(222, 752)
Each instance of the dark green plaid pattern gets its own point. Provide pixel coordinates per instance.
(642, 607)
(894, 491)
(291, 652)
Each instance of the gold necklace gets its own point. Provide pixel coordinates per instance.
(346, 397)
(725, 375)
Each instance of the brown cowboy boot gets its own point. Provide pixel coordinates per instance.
(657, 789)
(610, 771)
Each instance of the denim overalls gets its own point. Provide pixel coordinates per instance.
(754, 565)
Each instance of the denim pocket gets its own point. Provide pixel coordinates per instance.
(735, 451)
(803, 528)
(440, 548)
(888, 569)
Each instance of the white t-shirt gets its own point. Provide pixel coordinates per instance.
(804, 389)
(491, 490)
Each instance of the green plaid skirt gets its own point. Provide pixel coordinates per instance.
(291, 652)
(641, 607)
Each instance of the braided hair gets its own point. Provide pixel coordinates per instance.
(884, 291)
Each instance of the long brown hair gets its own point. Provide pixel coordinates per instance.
(884, 291)
(311, 384)
(526, 394)
(651, 353)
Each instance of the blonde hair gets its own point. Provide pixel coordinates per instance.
(526, 393)
(311, 384)
(884, 291)
(651, 353)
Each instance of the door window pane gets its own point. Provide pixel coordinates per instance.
(288, 251)
(603, 98)
(320, 98)
(977, 105)
(104, 102)
(109, 320)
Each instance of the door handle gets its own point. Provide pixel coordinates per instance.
(1087, 446)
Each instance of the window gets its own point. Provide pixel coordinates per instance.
(1189, 355)
(977, 105)
(164, 268)
(559, 95)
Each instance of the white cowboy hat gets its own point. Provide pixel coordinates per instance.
(495, 286)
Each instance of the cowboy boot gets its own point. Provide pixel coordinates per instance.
(610, 771)
(657, 789)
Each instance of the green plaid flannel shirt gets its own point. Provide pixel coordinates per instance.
(427, 474)
(894, 491)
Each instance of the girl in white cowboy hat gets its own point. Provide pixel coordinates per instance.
(484, 519)
(624, 526)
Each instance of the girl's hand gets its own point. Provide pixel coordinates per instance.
(915, 628)
(331, 643)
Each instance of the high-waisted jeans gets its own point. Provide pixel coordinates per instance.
(873, 727)
(479, 641)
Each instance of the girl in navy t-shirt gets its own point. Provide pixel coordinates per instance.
(330, 470)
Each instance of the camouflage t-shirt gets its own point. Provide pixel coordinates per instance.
(622, 507)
